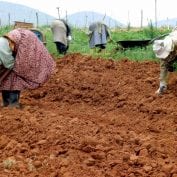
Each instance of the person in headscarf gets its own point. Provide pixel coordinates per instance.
(61, 35)
(98, 35)
(166, 51)
(25, 63)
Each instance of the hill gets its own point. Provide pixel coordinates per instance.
(10, 12)
(168, 22)
(84, 18)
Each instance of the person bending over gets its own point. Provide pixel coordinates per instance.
(61, 35)
(25, 63)
(166, 51)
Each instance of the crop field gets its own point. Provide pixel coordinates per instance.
(97, 116)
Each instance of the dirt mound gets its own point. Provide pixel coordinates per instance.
(94, 118)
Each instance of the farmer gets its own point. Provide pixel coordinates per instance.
(166, 51)
(98, 35)
(24, 64)
(61, 35)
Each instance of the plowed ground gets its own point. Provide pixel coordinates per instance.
(93, 118)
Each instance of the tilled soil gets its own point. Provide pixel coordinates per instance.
(93, 118)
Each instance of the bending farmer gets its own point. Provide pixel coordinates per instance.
(166, 51)
(61, 35)
(25, 64)
(98, 35)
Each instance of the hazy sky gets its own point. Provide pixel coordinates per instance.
(122, 10)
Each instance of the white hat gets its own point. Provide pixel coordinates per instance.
(162, 48)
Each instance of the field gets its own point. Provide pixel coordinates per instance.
(95, 117)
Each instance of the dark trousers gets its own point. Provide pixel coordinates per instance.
(61, 48)
(101, 46)
(10, 97)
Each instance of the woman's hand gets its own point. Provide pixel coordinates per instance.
(161, 90)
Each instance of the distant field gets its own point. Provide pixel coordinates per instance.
(79, 43)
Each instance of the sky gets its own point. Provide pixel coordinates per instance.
(124, 11)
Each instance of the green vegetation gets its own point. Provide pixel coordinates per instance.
(79, 43)
(4, 30)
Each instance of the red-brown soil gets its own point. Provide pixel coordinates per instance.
(93, 118)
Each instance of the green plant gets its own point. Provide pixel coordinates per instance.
(80, 42)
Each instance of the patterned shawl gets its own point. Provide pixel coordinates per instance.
(33, 63)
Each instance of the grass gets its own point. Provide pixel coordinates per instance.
(80, 42)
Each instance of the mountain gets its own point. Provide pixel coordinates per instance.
(10, 12)
(84, 18)
(168, 22)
